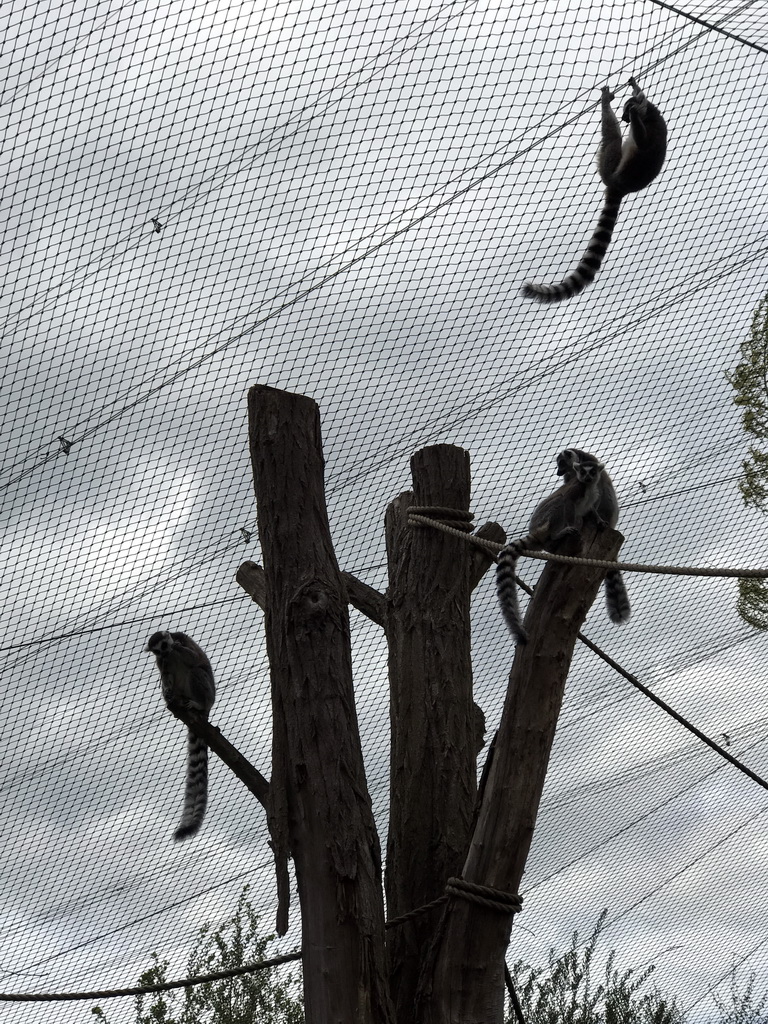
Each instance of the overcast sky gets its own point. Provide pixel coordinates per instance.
(351, 195)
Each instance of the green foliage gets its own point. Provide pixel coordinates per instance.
(564, 992)
(160, 1003)
(750, 382)
(259, 997)
(744, 1007)
(752, 603)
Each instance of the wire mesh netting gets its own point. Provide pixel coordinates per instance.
(342, 199)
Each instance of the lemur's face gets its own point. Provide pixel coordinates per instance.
(629, 106)
(566, 459)
(587, 472)
(159, 643)
(573, 462)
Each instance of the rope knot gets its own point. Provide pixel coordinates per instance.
(485, 895)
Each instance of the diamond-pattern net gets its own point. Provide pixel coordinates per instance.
(349, 196)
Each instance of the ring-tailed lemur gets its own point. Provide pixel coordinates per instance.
(624, 169)
(558, 516)
(606, 511)
(186, 680)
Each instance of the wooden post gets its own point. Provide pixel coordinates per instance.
(467, 983)
(320, 809)
(434, 722)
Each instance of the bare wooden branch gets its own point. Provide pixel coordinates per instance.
(366, 599)
(231, 756)
(251, 578)
(319, 802)
(467, 983)
(256, 783)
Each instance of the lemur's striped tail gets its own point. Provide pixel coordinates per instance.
(616, 597)
(591, 261)
(195, 789)
(506, 588)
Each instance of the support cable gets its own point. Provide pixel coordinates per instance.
(674, 570)
(709, 26)
(495, 899)
(668, 570)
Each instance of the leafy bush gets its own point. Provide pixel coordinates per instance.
(564, 992)
(259, 996)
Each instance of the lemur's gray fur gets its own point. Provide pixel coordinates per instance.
(558, 516)
(186, 680)
(624, 168)
(606, 511)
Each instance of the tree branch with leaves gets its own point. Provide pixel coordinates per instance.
(750, 382)
(266, 995)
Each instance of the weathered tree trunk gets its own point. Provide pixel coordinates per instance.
(467, 983)
(436, 729)
(370, 602)
(319, 804)
(318, 800)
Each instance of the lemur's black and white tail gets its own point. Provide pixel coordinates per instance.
(591, 261)
(616, 597)
(506, 588)
(195, 788)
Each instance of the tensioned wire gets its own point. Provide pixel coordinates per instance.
(425, 521)
(22, 90)
(315, 286)
(494, 547)
(147, 588)
(162, 210)
(285, 958)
